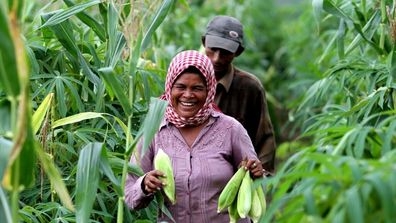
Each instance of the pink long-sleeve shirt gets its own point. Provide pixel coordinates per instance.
(200, 172)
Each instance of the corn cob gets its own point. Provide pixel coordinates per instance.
(261, 196)
(229, 193)
(233, 212)
(256, 209)
(245, 195)
(163, 163)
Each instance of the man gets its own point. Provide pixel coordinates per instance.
(239, 94)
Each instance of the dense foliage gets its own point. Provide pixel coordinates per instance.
(79, 82)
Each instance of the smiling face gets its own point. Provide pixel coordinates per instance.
(188, 94)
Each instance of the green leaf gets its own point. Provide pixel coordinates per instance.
(40, 113)
(333, 9)
(152, 121)
(66, 14)
(5, 152)
(115, 85)
(23, 158)
(64, 33)
(160, 15)
(9, 79)
(116, 41)
(107, 171)
(354, 206)
(89, 21)
(55, 177)
(384, 191)
(87, 180)
(5, 213)
(76, 118)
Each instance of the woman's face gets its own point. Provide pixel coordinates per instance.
(188, 94)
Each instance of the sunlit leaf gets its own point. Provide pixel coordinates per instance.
(76, 118)
(65, 14)
(41, 112)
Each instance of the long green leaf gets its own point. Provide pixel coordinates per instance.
(41, 112)
(354, 206)
(9, 80)
(5, 213)
(117, 40)
(5, 152)
(106, 169)
(64, 32)
(87, 180)
(76, 118)
(55, 177)
(66, 14)
(385, 194)
(152, 121)
(89, 21)
(158, 19)
(115, 86)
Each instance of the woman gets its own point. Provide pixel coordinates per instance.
(206, 147)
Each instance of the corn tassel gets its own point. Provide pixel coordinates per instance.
(245, 196)
(163, 163)
(256, 209)
(229, 193)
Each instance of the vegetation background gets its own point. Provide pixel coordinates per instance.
(79, 82)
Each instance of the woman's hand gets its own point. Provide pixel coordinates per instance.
(254, 166)
(152, 182)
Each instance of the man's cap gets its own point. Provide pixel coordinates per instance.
(224, 32)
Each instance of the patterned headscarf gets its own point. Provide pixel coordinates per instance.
(178, 64)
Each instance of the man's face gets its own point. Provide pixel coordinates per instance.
(221, 60)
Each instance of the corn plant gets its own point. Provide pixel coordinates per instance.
(90, 96)
(346, 114)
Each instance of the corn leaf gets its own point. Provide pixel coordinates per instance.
(9, 80)
(5, 213)
(40, 113)
(66, 14)
(5, 152)
(158, 19)
(89, 21)
(354, 205)
(152, 121)
(55, 177)
(87, 180)
(114, 85)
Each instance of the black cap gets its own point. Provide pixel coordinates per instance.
(224, 32)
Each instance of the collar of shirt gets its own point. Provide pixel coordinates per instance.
(227, 79)
(213, 115)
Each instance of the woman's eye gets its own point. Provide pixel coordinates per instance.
(179, 87)
(199, 89)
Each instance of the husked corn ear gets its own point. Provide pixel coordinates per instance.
(245, 195)
(233, 212)
(256, 209)
(229, 193)
(261, 196)
(163, 163)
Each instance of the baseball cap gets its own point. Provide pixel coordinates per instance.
(224, 32)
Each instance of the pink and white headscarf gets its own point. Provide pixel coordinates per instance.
(179, 63)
